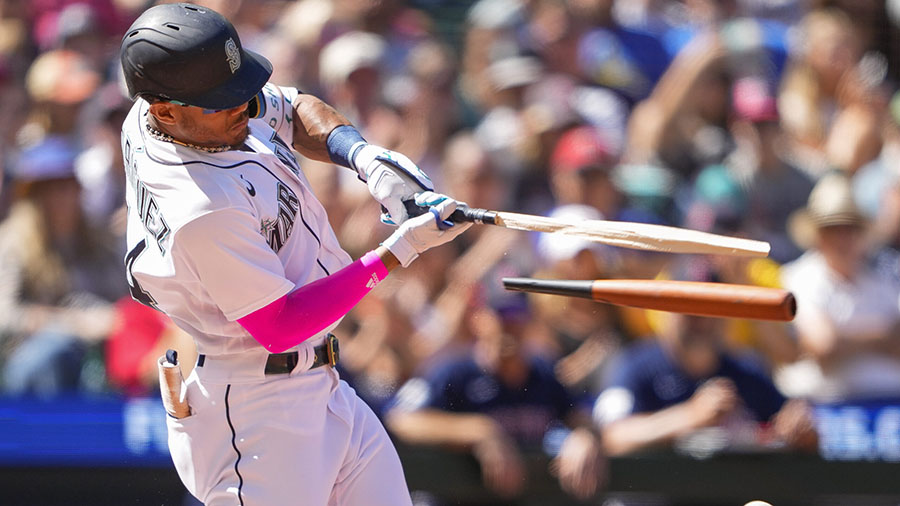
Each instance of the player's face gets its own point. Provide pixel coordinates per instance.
(203, 127)
(227, 126)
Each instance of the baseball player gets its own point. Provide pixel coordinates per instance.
(226, 238)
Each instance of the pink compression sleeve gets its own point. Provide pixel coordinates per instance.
(311, 308)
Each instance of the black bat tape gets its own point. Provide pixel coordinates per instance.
(572, 288)
(463, 213)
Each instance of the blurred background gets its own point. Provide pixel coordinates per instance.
(776, 120)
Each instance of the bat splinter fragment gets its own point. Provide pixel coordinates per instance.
(642, 236)
(689, 297)
(624, 234)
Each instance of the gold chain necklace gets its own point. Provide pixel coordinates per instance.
(161, 136)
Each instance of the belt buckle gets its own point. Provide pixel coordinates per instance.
(332, 349)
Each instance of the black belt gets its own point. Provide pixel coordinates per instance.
(283, 363)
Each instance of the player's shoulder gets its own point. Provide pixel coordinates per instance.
(541, 368)
(746, 362)
(184, 183)
(455, 369)
(640, 360)
(275, 106)
(807, 274)
(645, 351)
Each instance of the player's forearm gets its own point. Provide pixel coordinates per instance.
(645, 430)
(431, 426)
(387, 258)
(311, 308)
(314, 120)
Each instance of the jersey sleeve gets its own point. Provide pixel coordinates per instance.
(232, 262)
(276, 108)
(756, 388)
(437, 390)
(620, 398)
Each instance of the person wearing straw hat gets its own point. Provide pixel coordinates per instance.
(848, 310)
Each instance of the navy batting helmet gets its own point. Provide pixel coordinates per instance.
(192, 55)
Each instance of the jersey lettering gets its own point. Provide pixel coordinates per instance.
(278, 231)
(284, 153)
(151, 218)
(148, 209)
(129, 157)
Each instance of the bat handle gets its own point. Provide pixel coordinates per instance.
(463, 213)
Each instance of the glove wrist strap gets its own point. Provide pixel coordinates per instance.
(401, 248)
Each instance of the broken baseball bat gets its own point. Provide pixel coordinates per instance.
(689, 297)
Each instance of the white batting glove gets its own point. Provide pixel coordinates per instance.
(392, 179)
(426, 231)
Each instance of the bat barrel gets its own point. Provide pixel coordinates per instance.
(571, 288)
(703, 299)
(699, 298)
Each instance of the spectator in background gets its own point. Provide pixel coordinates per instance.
(493, 402)
(848, 308)
(137, 338)
(14, 62)
(99, 167)
(83, 28)
(876, 185)
(422, 97)
(718, 204)
(583, 334)
(828, 50)
(627, 60)
(773, 187)
(682, 126)
(58, 276)
(349, 72)
(661, 391)
(581, 167)
(59, 82)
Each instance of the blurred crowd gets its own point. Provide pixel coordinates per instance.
(769, 119)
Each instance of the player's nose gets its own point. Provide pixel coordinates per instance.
(234, 111)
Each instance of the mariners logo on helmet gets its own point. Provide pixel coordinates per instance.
(233, 55)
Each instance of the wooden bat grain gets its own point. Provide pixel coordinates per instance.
(704, 299)
(641, 236)
(698, 298)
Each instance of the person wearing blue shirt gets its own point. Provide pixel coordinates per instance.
(494, 402)
(665, 389)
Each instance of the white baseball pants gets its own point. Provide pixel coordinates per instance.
(303, 438)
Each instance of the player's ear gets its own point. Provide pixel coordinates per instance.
(163, 112)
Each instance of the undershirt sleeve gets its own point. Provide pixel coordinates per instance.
(277, 109)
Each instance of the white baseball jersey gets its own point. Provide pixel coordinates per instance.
(213, 237)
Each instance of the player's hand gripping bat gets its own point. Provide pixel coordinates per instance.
(625, 234)
(697, 298)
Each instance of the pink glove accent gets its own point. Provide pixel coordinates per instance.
(308, 310)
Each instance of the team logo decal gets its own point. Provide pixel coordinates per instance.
(232, 55)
